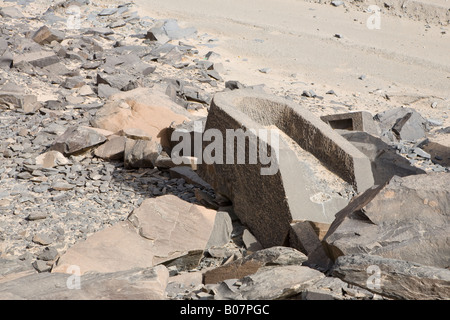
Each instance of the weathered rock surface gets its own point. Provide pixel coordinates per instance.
(406, 219)
(396, 279)
(222, 230)
(26, 102)
(166, 30)
(51, 159)
(45, 35)
(133, 284)
(273, 283)
(143, 108)
(11, 12)
(11, 269)
(143, 240)
(353, 121)
(385, 161)
(145, 84)
(77, 139)
(328, 288)
(279, 256)
(37, 58)
(141, 153)
(404, 123)
(113, 149)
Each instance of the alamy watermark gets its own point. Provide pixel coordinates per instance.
(374, 280)
(74, 17)
(73, 281)
(237, 142)
(374, 21)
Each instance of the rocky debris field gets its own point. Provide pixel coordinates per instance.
(91, 200)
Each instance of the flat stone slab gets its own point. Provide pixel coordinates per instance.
(147, 109)
(38, 58)
(315, 164)
(275, 283)
(242, 267)
(385, 161)
(160, 230)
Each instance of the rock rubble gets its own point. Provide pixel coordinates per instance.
(91, 198)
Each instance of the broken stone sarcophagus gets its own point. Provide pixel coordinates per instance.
(310, 175)
(352, 121)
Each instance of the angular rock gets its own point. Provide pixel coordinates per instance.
(37, 216)
(328, 288)
(157, 35)
(108, 11)
(77, 140)
(395, 279)
(166, 30)
(11, 12)
(117, 24)
(26, 102)
(44, 35)
(37, 58)
(42, 239)
(214, 74)
(85, 91)
(305, 144)
(404, 123)
(439, 153)
(276, 283)
(48, 254)
(233, 85)
(41, 266)
(99, 31)
(251, 243)
(337, 3)
(173, 57)
(142, 240)
(147, 109)
(192, 131)
(141, 153)
(73, 82)
(118, 81)
(192, 225)
(195, 94)
(14, 268)
(113, 149)
(179, 283)
(57, 69)
(274, 256)
(134, 133)
(133, 284)
(221, 233)
(6, 57)
(105, 90)
(384, 159)
(61, 186)
(303, 237)
(405, 219)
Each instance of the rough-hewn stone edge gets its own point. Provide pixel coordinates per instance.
(328, 146)
(396, 279)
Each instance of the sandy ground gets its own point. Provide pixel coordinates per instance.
(405, 63)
